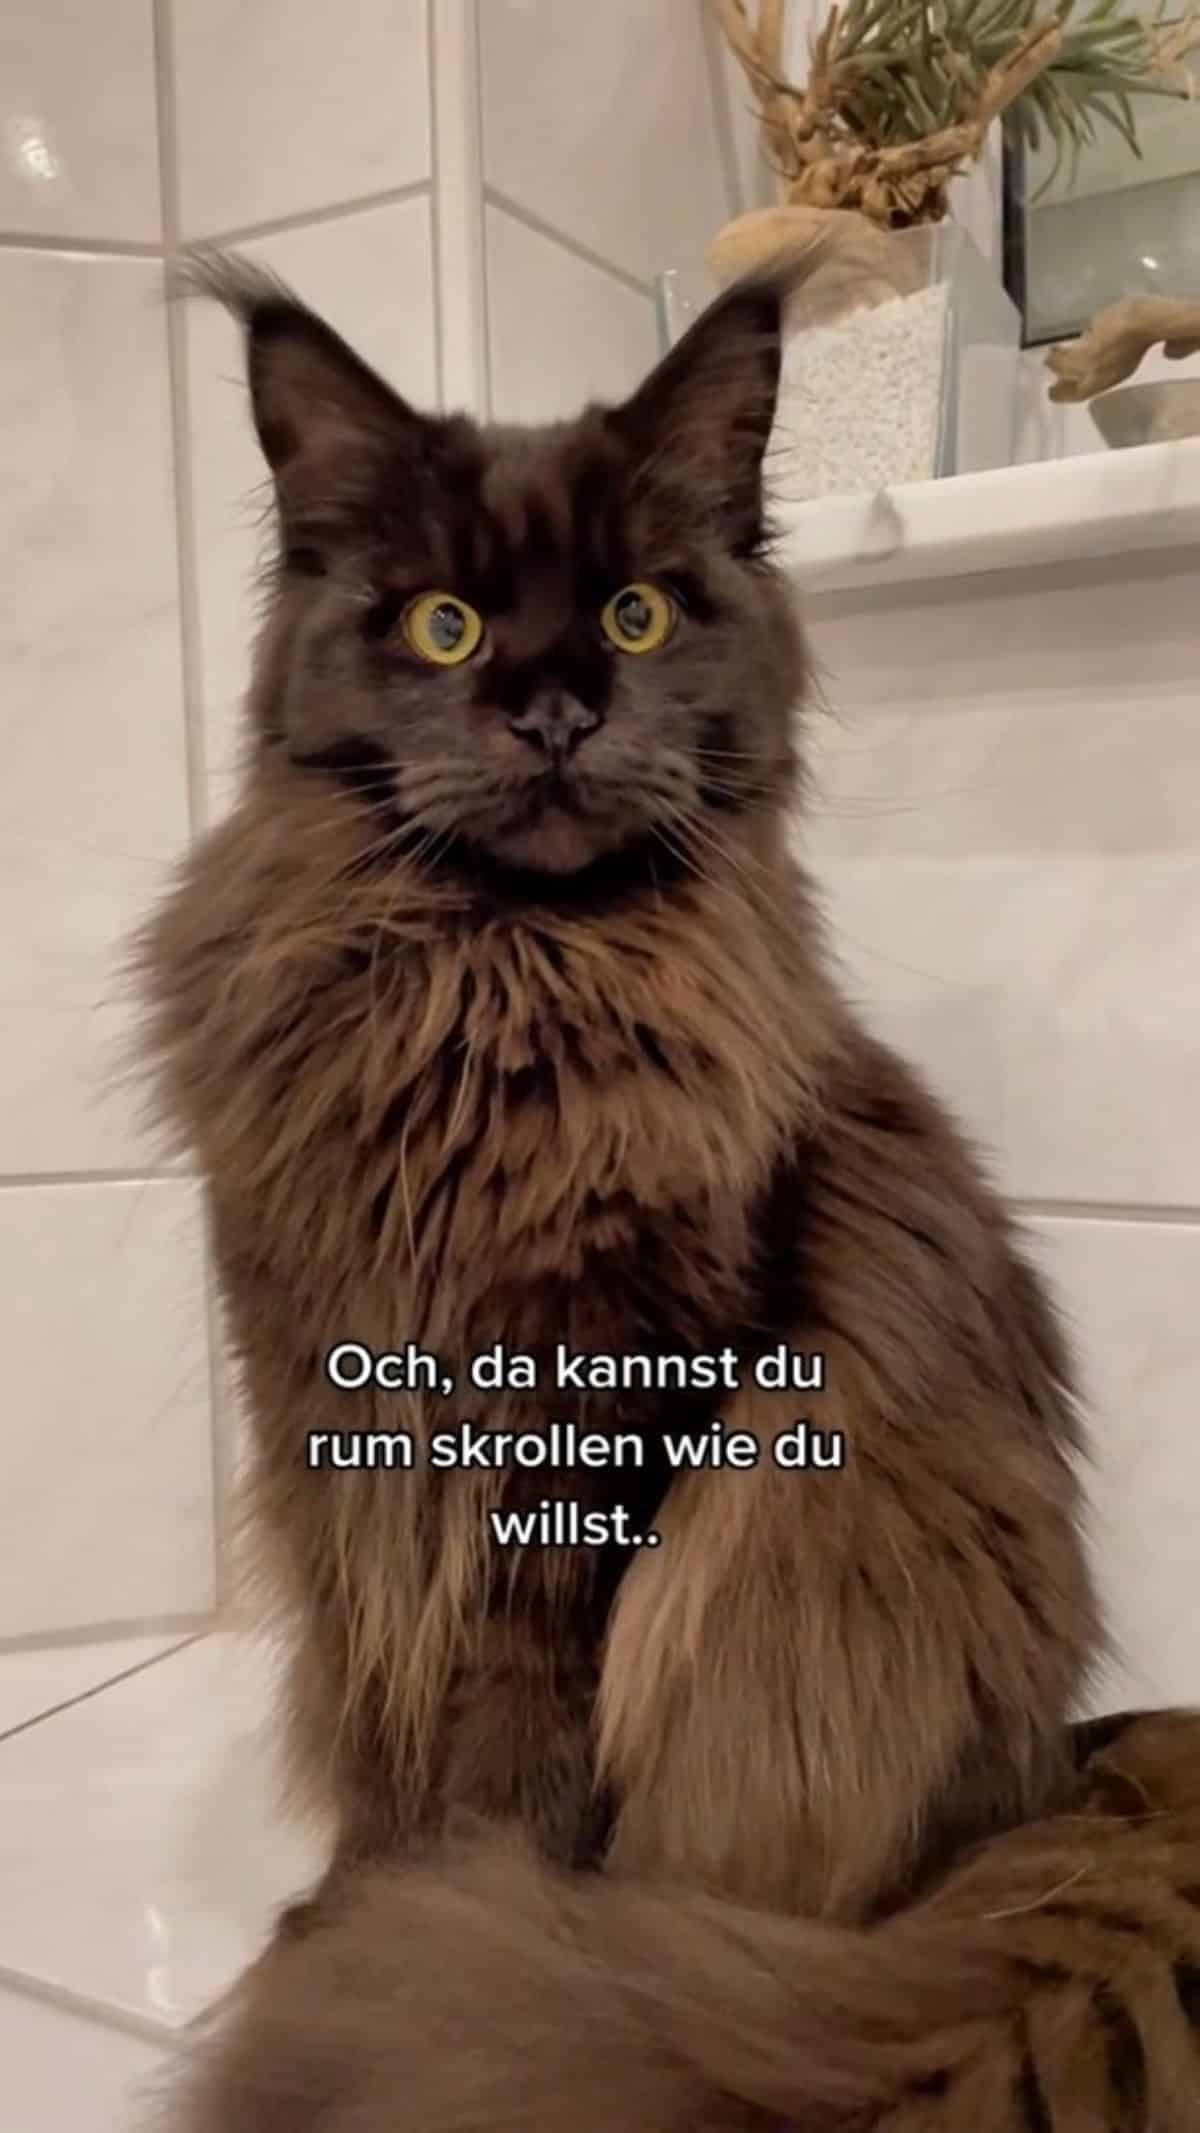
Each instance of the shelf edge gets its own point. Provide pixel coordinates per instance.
(1052, 511)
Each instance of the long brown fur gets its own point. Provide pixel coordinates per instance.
(1049, 1984)
(445, 1105)
(484, 1036)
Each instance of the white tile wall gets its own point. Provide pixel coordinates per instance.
(94, 797)
(38, 1679)
(108, 1454)
(560, 330)
(1007, 814)
(79, 150)
(143, 1845)
(601, 122)
(286, 106)
(1007, 819)
(115, 638)
(1130, 1289)
(55, 2058)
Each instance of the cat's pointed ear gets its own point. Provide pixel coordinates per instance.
(701, 421)
(324, 418)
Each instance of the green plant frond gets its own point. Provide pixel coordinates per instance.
(1107, 48)
(1040, 99)
(1059, 141)
(899, 71)
(868, 63)
(1110, 112)
(894, 19)
(1102, 37)
(967, 24)
(929, 103)
(908, 119)
(999, 15)
(954, 96)
(1177, 92)
(851, 17)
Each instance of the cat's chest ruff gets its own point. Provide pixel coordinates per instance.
(415, 1118)
(544, 1111)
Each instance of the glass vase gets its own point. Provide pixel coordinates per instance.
(897, 367)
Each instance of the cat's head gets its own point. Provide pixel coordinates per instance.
(542, 649)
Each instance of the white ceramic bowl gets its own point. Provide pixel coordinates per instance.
(1148, 414)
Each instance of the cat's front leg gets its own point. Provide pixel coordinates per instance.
(512, 1743)
(517, 1735)
(824, 1680)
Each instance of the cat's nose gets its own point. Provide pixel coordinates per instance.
(556, 723)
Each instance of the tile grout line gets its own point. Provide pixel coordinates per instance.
(307, 218)
(435, 216)
(478, 174)
(152, 1174)
(90, 247)
(98, 1688)
(495, 198)
(189, 621)
(457, 222)
(65, 2000)
(1181, 1215)
(1132, 1211)
(302, 219)
(180, 1628)
(192, 683)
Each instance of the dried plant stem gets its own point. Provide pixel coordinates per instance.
(900, 93)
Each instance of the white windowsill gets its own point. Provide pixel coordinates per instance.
(1055, 511)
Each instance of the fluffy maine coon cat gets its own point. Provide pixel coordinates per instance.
(497, 1012)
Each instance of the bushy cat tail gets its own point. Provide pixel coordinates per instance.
(1051, 1984)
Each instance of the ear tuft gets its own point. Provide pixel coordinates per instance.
(702, 420)
(318, 408)
(246, 289)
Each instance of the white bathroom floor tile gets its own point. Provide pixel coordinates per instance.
(66, 2074)
(143, 1847)
(42, 1679)
(108, 1477)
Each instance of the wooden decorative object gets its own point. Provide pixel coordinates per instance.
(1116, 341)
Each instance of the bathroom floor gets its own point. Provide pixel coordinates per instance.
(143, 1853)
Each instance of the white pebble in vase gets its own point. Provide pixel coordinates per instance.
(860, 400)
(900, 365)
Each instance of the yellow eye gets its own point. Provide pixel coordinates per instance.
(440, 627)
(638, 618)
